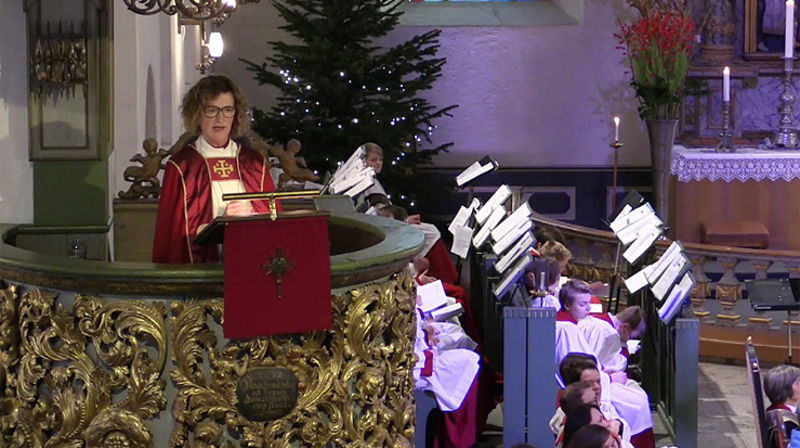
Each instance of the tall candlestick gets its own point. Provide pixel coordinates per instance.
(616, 129)
(726, 84)
(788, 49)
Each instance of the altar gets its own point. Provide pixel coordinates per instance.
(750, 185)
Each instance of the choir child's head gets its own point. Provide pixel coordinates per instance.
(576, 298)
(373, 156)
(577, 367)
(631, 323)
(578, 394)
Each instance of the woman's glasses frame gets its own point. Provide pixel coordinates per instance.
(213, 111)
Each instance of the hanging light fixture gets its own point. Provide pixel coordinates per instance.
(200, 10)
(211, 51)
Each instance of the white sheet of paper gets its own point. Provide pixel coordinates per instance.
(473, 171)
(636, 282)
(511, 276)
(628, 234)
(499, 196)
(635, 215)
(522, 213)
(669, 277)
(519, 249)
(640, 246)
(497, 214)
(654, 271)
(512, 236)
(676, 297)
(625, 210)
(596, 308)
(461, 218)
(462, 237)
(431, 296)
(362, 185)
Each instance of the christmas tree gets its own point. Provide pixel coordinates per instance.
(340, 89)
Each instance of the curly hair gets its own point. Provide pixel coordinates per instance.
(207, 89)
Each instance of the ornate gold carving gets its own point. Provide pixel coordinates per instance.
(354, 381)
(63, 368)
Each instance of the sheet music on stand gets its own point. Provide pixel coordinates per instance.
(352, 177)
(477, 169)
(670, 278)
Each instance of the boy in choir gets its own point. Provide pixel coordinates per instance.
(607, 335)
(630, 401)
(574, 395)
(782, 386)
(543, 234)
(587, 415)
(618, 402)
(543, 275)
(448, 367)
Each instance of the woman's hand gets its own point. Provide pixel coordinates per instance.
(239, 208)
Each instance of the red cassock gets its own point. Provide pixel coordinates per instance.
(186, 202)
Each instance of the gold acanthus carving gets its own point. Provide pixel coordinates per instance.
(354, 382)
(63, 367)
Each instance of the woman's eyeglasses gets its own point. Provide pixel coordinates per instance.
(213, 111)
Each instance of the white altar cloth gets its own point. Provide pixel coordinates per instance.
(696, 164)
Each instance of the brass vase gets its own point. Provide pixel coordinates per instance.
(662, 137)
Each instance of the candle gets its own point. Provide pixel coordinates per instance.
(788, 51)
(541, 280)
(616, 129)
(726, 84)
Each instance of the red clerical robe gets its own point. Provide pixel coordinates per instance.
(186, 202)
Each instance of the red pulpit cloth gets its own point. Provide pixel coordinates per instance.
(298, 245)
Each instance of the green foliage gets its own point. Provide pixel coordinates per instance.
(340, 89)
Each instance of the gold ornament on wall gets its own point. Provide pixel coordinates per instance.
(354, 382)
(68, 365)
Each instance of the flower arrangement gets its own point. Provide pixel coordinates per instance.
(658, 46)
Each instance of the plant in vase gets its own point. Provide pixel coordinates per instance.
(658, 47)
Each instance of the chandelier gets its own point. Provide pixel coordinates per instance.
(200, 10)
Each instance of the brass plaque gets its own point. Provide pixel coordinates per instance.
(266, 393)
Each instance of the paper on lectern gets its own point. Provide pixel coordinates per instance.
(519, 249)
(521, 214)
(669, 277)
(512, 236)
(676, 297)
(511, 276)
(462, 237)
(494, 218)
(499, 196)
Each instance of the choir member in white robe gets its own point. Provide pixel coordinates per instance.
(450, 373)
(607, 335)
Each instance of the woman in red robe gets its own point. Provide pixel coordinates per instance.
(197, 175)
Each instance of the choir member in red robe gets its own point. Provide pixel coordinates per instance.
(782, 386)
(197, 175)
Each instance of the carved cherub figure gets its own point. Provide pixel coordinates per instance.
(294, 165)
(145, 174)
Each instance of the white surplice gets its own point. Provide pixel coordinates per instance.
(454, 371)
(605, 343)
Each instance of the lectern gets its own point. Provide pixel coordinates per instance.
(277, 272)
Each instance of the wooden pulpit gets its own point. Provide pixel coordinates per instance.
(277, 272)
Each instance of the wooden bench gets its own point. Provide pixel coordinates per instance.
(747, 234)
(757, 394)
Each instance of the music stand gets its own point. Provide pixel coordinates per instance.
(775, 294)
